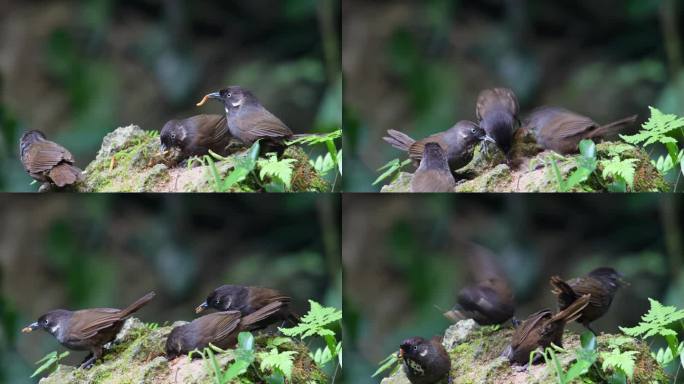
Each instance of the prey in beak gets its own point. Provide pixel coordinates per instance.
(213, 95)
(30, 328)
(201, 307)
(400, 353)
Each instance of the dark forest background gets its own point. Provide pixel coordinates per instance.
(78, 69)
(418, 66)
(78, 252)
(405, 249)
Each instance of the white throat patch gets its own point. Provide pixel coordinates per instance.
(54, 329)
(239, 103)
(182, 134)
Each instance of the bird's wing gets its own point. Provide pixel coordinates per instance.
(259, 122)
(570, 124)
(593, 287)
(528, 326)
(220, 324)
(44, 155)
(263, 296)
(86, 323)
(417, 148)
(216, 124)
(490, 99)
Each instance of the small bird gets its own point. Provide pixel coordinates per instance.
(601, 283)
(487, 302)
(196, 135)
(433, 174)
(540, 330)
(497, 113)
(248, 300)
(561, 130)
(87, 329)
(425, 361)
(47, 161)
(219, 328)
(248, 120)
(458, 142)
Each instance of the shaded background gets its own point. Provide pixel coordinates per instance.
(78, 69)
(418, 66)
(92, 251)
(403, 249)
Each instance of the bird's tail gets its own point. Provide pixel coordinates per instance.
(250, 321)
(65, 174)
(398, 140)
(561, 289)
(137, 305)
(573, 311)
(614, 127)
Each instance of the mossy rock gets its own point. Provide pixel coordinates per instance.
(129, 161)
(137, 356)
(476, 358)
(531, 171)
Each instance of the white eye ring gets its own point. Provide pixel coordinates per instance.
(228, 94)
(173, 136)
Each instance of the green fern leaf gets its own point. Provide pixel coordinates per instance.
(656, 321)
(623, 361)
(280, 170)
(656, 129)
(315, 322)
(623, 169)
(282, 362)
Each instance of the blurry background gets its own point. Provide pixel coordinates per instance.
(82, 251)
(418, 66)
(403, 249)
(78, 69)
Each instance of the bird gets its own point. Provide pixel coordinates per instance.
(433, 174)
(541, 329)
(424, 361)
(497, 113)
(601, 283)
(561, 130)
(47, 161)
(248, 120)
(487, 302)
(247, 300)
(458, 142)
(87, 329)
(196, 135)
(219, 329)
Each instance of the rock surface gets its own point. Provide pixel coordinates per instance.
(137, 356)
(476, 358)
(129, 161)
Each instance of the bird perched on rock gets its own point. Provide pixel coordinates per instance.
(561, 130)
(540, 330)
(219, 328)
(47, 161)
(458, 142)
(487, 302)
(433, 174)
(196, 135)
(87, 329)
(248, 120)
(601, 284)
(424, 361)
(497, 113)
(248, 300)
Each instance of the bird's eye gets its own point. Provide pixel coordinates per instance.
(218, 301)
(173, 136)
(415, 347)
(45, 322)
(472, 130)
(228, 94)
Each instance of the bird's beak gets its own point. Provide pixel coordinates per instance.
(623, 282)
(30, 328)
(487, 138)
(213, 95)
(201, 307)
(400, 353)
(163, 148)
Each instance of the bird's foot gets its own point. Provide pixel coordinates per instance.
(88, 362)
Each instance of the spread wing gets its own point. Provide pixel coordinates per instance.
(528, 326)
(42, 156)
(258, 122)
(416, 149)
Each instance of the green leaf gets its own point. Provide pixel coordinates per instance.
(282, 362)
(246, 341)
(315, 322)
(588, 341)
(387, 363)
(48, 361)
(280, 170)
(616, 359)
(622, 169)
(656, 129)
(587, 149)
(656, 321)
(390, 168)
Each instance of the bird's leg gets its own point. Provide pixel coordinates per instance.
(87, 361)
(515, 322)
(96, 353)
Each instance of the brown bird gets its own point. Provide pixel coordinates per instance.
(87, 329)
(248, 300)
(497, 113)
(433, 174)
(47, 161)
(487, 302)
(424, 361)
(561, 130)
(219, 328)
(540, 330)
(248, 120)
(196, 135)
(458, 142)
(601, 284)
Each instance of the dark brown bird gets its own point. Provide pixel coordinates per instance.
(561, 130)
(488, 302)
(248, 300)
(220, 329)
(248, 120)
(196, 135)
(425, 361)
(87, 329)
(458, 142)
(601, 284)
(497, 113)
(47, 161)
(433, 174)
(540, 330)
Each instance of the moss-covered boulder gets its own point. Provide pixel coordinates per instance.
(476, 358)
(137, 356)
(129, 161)
(531, 170)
